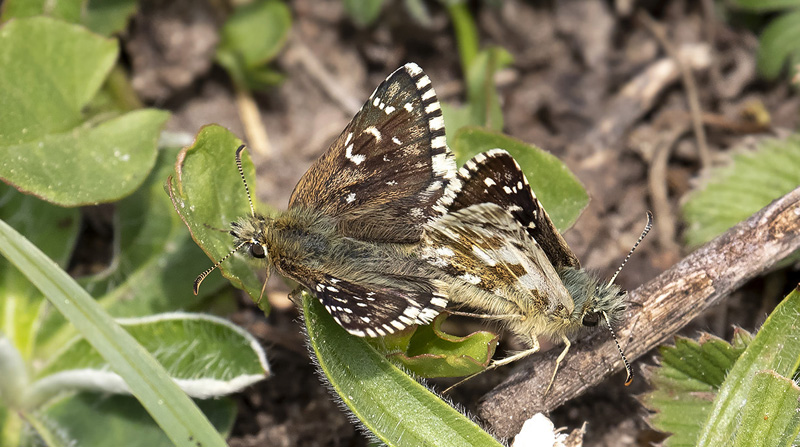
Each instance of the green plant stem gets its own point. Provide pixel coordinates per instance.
(13, 375)
(466, 34)
(42, 430)
(11, 428)
(119, 88)
(489, 91)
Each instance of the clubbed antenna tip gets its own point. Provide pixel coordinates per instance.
(628, 369)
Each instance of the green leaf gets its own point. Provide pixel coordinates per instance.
(363, 12)
(155, 261)
(56, 230)
(707, 362)
(154, 250)
(455, 119)
(555, 186)
(771, 417)
(88, 165)
(418, 12)
(395, 408)
(175, 413)
(777, 348)
(260, 78)
(67, 10)
(685, 384)
(251, 37)
(108, 17)
(48, 226)
(49, 71)
(766, 5)
(207, 356)
(702, 390)
(14, 373)
(88, 419)
(208, 194)
(433, 353)
(779, 44)
(11, 427)
(733, 193)
(104, 17)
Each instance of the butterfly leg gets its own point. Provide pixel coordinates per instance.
(517, 356)
(560, 358)
(296, 296)
(485, 316)
(263, 289)
(221, 230)
(498, 363)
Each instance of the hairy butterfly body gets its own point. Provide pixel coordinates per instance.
(356, 216)
(506, 260)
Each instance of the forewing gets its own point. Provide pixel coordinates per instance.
(495, 177)
(391, 159)
(372, 310)
(485, 246)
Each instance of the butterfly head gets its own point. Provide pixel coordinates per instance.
(607, 299)
(250, 234)
(593, 299)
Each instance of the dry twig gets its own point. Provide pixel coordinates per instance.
(299, 54)
(664, 305)
(688, 83)
(639, 95)
(253, 123)
(657, 183)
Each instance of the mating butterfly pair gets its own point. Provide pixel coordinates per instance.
(385, 230)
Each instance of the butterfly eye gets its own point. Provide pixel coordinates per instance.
(257, 251)
(591, 319)
(622, 293)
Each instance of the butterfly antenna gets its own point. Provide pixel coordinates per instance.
(203, 275)
(644, 233)
(241, 172)
(628, 370)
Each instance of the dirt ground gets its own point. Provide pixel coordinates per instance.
(590, 82)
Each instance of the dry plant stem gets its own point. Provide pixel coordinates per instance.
(657, 183)
(711, 21)
(299, 53)
(253, 124)
(688, 83)
(740, 127)
(662, 307)
(639, 95)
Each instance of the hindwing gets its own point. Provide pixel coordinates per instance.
(484, 245)
(495, 177)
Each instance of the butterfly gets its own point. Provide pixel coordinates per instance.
(506, 260)
(355, 217)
